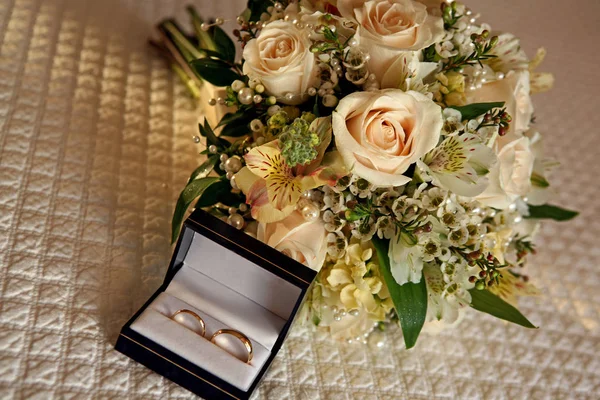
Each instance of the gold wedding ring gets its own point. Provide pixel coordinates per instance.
(193, 314)
(243, 338)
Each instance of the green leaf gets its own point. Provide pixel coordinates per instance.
(257, 8)
(316, 320)
(205, 168)
(214, 71)
(224, 44)
(487, 302)
(237, 127)
(211, 137)
(539, 181)
(410, 299)
(549, 211)
(229, 118)
(476, 109)
(193, 190)
(219, 192)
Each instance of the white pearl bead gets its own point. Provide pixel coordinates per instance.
(233, 164)
(223, 157)
(310, 212)
(289, 96)
(376, 340)
(212, 149)
(236, 220)
(245, 96)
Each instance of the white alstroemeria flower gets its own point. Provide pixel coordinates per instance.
(509, 55)
(406, 261)
(459, 164)
(540, 191)
(446, 297)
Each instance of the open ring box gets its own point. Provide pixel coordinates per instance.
(230, 280)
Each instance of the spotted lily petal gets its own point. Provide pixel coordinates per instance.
(460, 164)
(282, 186)
(257, 197)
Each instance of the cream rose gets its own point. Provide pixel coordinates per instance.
(281, 59)
(392, 31)
(302, 240)
(514, 90)
(511, 175)
(381, 133)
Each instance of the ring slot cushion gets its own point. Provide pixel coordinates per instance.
(230, 280)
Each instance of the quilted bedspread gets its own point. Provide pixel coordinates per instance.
(96, 143)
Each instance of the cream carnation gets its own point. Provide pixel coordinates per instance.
(281, 59)
(392, 31)
(380, 134)
(514, 90)
(510, 178)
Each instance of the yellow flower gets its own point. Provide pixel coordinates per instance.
(358, 282)
(540, 81)
(510, 287)
(499, 240)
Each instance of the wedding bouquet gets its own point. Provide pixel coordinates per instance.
(388, 144)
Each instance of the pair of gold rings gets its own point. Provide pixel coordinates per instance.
(237, 334)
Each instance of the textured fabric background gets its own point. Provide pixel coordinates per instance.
(95, 144)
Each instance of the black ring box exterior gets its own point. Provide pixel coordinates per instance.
(178, 369)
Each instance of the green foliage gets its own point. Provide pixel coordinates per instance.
(224, 44)
(548, 211)
(236, 124)
(430, 54)
(298, 144)
(474, 110)
(220, 192)
(193, 190)
(539, 181)
(410, 299)
(258, 7)
(217, 72)
(449, 15)
(211, 137)
(205, 168)
(487, 302)
(482, 52)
